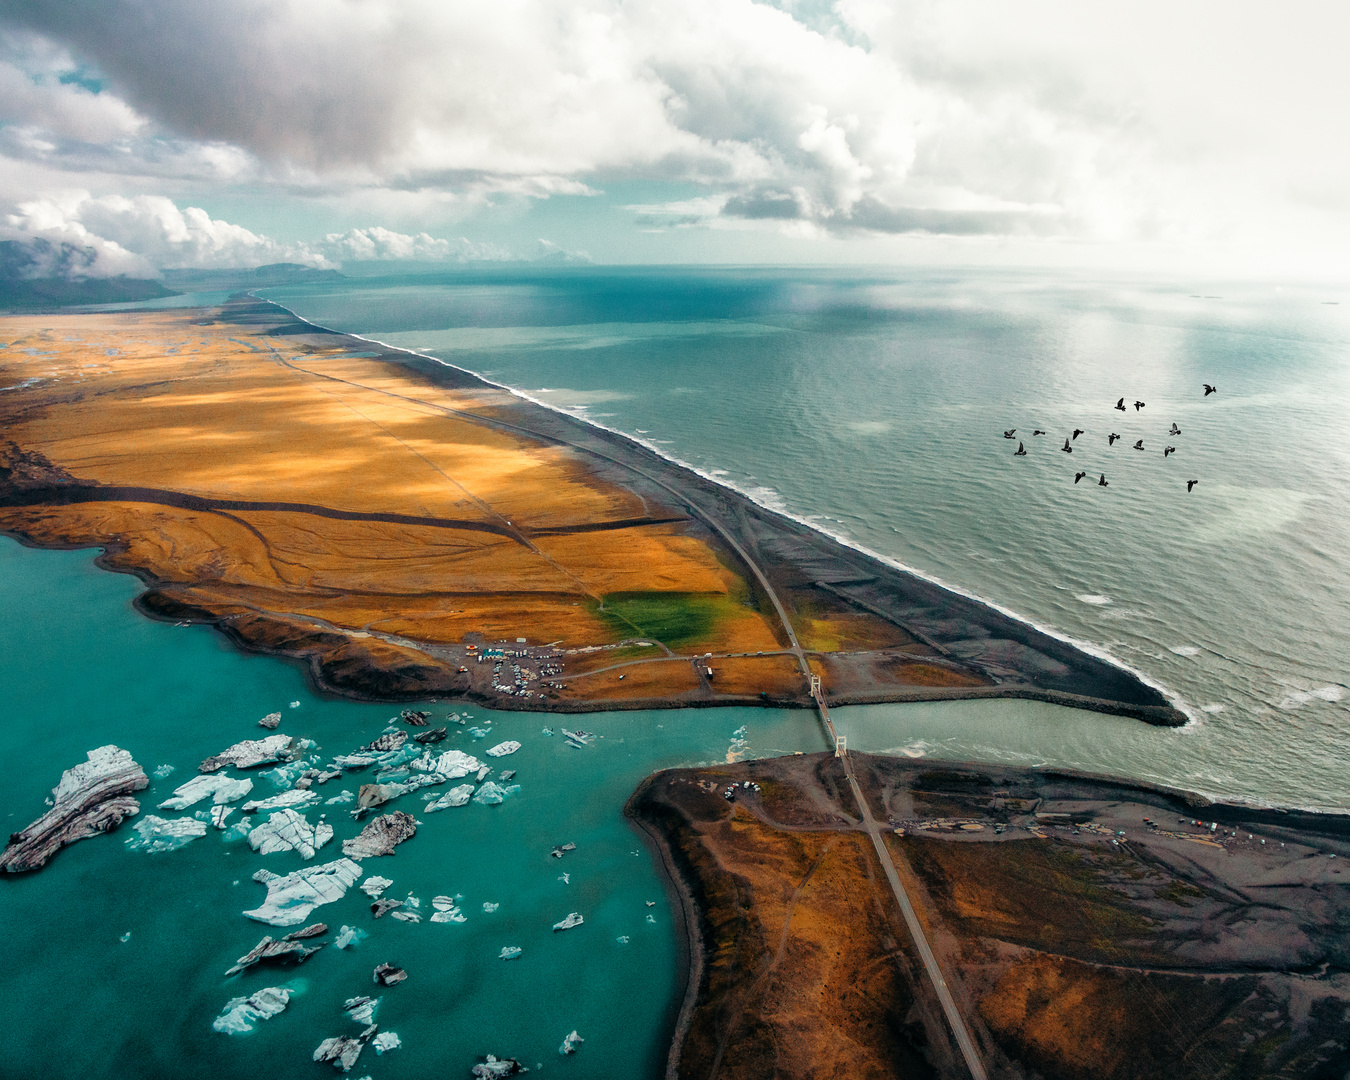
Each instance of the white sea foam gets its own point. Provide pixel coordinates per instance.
(1093, 598)
(1184, 650)
(767, 498)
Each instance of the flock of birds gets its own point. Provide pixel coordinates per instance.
(1067, 448)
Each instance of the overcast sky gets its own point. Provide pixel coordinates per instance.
(1204, 136)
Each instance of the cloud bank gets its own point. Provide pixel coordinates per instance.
(967, 118)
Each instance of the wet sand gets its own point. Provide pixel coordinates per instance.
(374, 516)
(1089, 928)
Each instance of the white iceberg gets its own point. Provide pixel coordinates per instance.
(164, 771)
(250, 753)
(348, 936)
(290, 898)
(450, 765)
(159, 834)
(242, 1014)
(446, 910)
(220, 814)
(510, 952)
(492, 794)
(362, 1009)
(375, 885)
(406, 916)
(574, 919)
(489, 907)
(286, 830)
(569, 1043)
(456, 796)
(337, 800)
(502, 749)
(220, 788)
(385, 1041)
(299, 797)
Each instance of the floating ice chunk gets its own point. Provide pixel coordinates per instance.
(349, 936)
(375, 885)
(270, 721)
(412, 902)
(362, 1009)
(338, 800)
(491, 794)
(242, 1014)
(238, 831)
(622, 939)
(510, 952)
(547, 731)
(651, 919)
(283, 800)
(569, 1043)
(446, 910)
(574, 919)
(125, 937)
(221, 789)
(373, 795)
(343, 1050)
(251, 753)
(155, 834)
(288, 948)
(164, 771)
(406, 916)
(493, 1067)
(295, 704)
(489, 907)
(504, 748)
(284, 777)
(292, 897)
(478, 732)
(385, 1041)
(381, 836)
(389, 974)
(286, 830)
(448, 765)
(1184, 650)
(220, 814)
(354, 761)
(565, 878)
(456, 796)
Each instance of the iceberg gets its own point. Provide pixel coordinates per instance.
(446, 910)
(291, 898)
(406, 916)
(389, 974)
(456, 796)
(449, 765)
(386, 1041)
(92, 797)
(343, 1050)
(338, 800)
(361, 1009)
(349, 936)
(489, 907)
(381, 836)
(238, 831)
(569, 1043)
(510, 952)
(493, 1068)
(288, 948)
(286, 830)
(221, 789)
(243, 1013)
(574, 919)
(155, 834)
(390, 740)
(298, 797)
(220, 814)
(164, 771)
(250, 753)
(270, 721)
(504, 748)
(375, 885)
(493, 794)
(435, 735)
(373, 795)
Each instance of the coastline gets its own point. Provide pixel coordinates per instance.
(972, 648)
(1173, 700)
(996, 967)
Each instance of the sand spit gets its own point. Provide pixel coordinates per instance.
(410, 531)
(1088, 927)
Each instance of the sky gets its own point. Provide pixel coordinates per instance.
(1199, 137)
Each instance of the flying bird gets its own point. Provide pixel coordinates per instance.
(1021, 451)
(1102, 482)
(1169, 450)
(1175, 430)
(1139, 445)
(1010, 433)
(1078, 476)
(1077, 431)
(1038, 431)
(1190, 484)
(1138, 405)
(1111, 439)
(1066, 447)
(1120, 405)
(1210, 390)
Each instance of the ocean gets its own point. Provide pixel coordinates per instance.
(872, 405)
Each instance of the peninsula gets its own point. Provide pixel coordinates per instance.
(409, 530)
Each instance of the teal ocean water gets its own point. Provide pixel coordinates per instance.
(873, 407)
